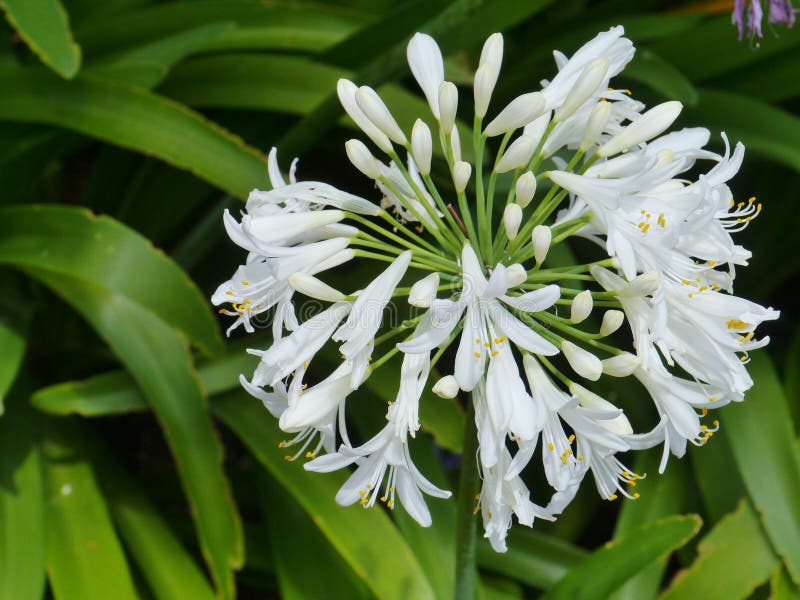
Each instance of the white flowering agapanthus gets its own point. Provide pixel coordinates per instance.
(505, 323)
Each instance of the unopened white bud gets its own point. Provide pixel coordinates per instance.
(583, 362)
(423, 292)
(519, 112)
(652, 123)
(362, 158)
(619, 424)
(584, 88)
(517, 155)
(612, 320)
(595, 125)
(643, 285)
(461, 174)
(422, 146)
(487, 73)
(455, 144)
(621, 365)
(517, 275)
(541, 236)
(525, 188)
(483, 86)
(312, 287)
(376, 111)
(346, 91)
(447, 387)
(448, 104)
(581, 307)
(512, 217)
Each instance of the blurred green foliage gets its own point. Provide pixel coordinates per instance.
(131, 465)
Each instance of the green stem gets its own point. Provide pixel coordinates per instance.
(466, 523)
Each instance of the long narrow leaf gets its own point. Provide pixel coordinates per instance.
(84, 555)
(733, 559)
(768, 462)
(44, 25)
(136, 119)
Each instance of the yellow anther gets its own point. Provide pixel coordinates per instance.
(486, 345)
(362, 493)
(222, 311)
(685, 282)
(571, 438)
(477, 340)
(229, 293)
(702, 288)
(281, 444)
(580, 456)
(477, 355)
(383, 498)
(743, 358)
(550, 445)
(703, 427)
(287, 458)
(495, 353)
(737, 324)
(712, 263)
(716, 422)
(637, 495)
(245, 283)
(305, 364)
(704, 411)
(612, 497)
(625, 473)
(712, 399)
(751, 200)
(631, 483)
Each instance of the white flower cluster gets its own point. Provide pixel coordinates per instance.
(602, 170)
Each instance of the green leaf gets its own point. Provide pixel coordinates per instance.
(781, 586)
(278, 25)
(116, 392)
(534, 558)
(660, 496)
(775, 83)
(136, 119)
(763, 443)
(44, 25)
(147, 65)
(170, 572)
(367, 540)
(290, 539)
(791, 379)
(22, 526)
(13, 342)
(159, 360)
(102, 254)
(616, 562)
(652, 70)
(762, 128)
(84, 556)
(718, 479)
(733, 560)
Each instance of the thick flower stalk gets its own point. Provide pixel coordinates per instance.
(498, 308)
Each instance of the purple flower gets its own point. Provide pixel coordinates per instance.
(780, 11)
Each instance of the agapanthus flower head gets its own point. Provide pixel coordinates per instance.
(496, 315)
(749, 14)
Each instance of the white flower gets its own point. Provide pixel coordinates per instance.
(656, 208)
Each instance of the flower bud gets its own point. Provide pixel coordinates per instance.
(525, 188)
(621, 365)
(595, 126)
(487, 73)
(519, 112)
(455, 144)
(541, 238)
(612, 320)
(584, 88)
(312, 287)
(347, 96)
(512, 217)
(461, 174)
(619, 424)
(362, 158)
(581, 307)
(422, 146)
(652, 123)
(584, 363)
(448, 105)
(376, 111)
(446, 387)
(423, 292)
(427, 66)
(517, 155)
(516, 275)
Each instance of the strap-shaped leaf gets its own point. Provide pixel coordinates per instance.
(367, 540)
(106, 256)
(733, 560)
(84, 555)
(763, 443)
(159, 360)
(608, 568)
(136, 119)
(652, 70)
(22, 527)
(44, 25)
